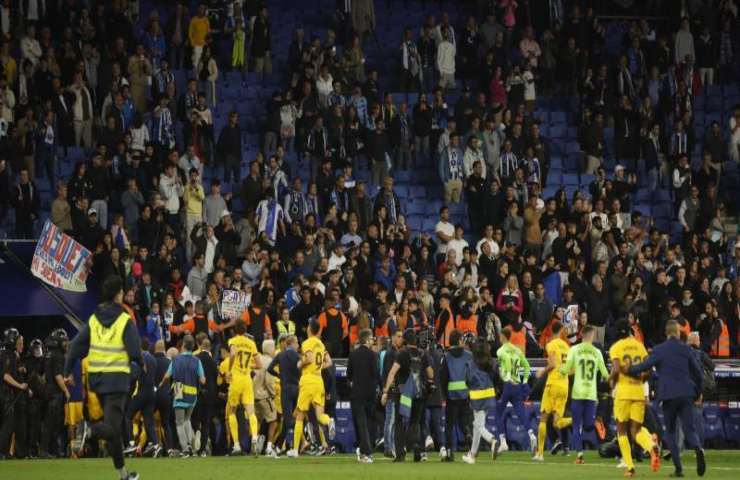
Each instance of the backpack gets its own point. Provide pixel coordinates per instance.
(415, 373)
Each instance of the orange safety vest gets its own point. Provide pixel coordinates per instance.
(354, 335)
(519, 338)
(468, 325)
(445, 340)
(721, 346)
(382, 331)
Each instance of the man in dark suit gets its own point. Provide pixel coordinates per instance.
(362, 372)
(679, 383)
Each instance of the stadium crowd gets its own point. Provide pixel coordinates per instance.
(172, 218)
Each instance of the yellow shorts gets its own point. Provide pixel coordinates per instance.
(310, 393)
(626, 410)
(94, 409)
(73, 413)
(554, 400)
(241, 392)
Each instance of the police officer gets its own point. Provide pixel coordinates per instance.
(110, 342)
(34, 363)
(57, 392)
(457, 362)
(14, 390)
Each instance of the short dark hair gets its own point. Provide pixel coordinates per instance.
(112, 286)
(188, 343)
(365, 335)
(240, 328)
(455, 337)
(556, 327)
(314, 327)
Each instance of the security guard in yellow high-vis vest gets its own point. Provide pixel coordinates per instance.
(110, 342)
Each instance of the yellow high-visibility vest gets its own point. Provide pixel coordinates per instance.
(107, 350)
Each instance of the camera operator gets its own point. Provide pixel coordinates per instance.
(413, 378)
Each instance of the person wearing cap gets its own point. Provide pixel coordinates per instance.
(93, 232)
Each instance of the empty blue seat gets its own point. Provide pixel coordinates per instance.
(558, 131)
(570, 179)
(714, 430)
(557, 117)
(732, 426)
(417, 192)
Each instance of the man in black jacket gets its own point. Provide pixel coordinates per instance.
(205, 408)
(164, 398)
(378, 150)
(144, 401)
(110, 381)
(25, 199)
(597, 308)
(363, 376)
(230, 148)
(289, 374)
(260, 42)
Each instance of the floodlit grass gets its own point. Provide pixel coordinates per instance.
(722, 464)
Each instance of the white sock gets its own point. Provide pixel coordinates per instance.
(123, 472)
(269, 445)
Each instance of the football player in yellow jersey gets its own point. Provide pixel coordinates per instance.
(243, 357)
(314, 358)
(555, 395)
(629, 398)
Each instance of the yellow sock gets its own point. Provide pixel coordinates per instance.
(324, 419)
(321, 436)
(625, 450)
(644, 439)
(254, 427)
(564, 423)
(541, 437)
(297, 434)
(234, 428)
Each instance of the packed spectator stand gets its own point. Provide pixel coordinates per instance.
(595, 155)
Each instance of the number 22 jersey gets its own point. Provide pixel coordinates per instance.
(628, 351)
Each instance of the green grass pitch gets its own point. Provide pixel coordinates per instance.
(722, 464)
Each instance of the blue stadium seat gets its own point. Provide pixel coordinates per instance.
(714, 430)
(732, 426)
(557, 117)
(558, 131)
(570, 179)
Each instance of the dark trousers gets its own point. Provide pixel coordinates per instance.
(288, 399)
(163, 404)
(407, 429)
(53, 424)
(144, 403)
(35, 417)
(362, 414)
(584, 414)
(231, 167)
(455, 414)
(433, 426)
(14, 412)
(110, 428)
(202, 419)
(516, 394)
(673, 410)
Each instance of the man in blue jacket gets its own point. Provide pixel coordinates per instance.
(285, 367)
(679, 383)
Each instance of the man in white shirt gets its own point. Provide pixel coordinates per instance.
(445, 231)
(488, 238)
(83, 112)
(457, 244)
(446, 62)
(337, 258)
(171, 189)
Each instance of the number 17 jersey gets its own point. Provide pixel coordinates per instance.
(628, 351)
(245, 350)
(312, 372)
